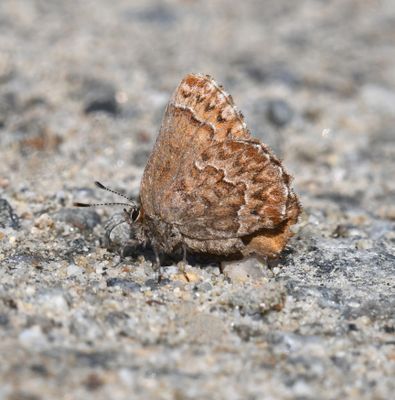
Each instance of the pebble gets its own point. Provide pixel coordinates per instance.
(126, 285)
(44, 221)
(8, 218)
(100, 96)
(73, 270)
(53, 302)
(32, 337)
(279, 112)
(244, 270)
(82, 219)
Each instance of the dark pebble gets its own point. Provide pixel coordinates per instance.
(157, 14)
(93, 382)
(99, 97)
(153, 284)
(20, 260)
(4, 320)
(271, 73)
(389, 329)
(279, 113)
(83, 219)
(77, 246)
(39, 369)
(352, 327)
(246, 332)
(8, 104)
(94, 359)
(203, 287)
(258, 74)
(8, 219)
(125, 284)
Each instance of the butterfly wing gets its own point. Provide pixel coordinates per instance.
(206, 175)
(198, 114)
(233, 189)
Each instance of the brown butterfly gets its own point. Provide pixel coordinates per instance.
(209, 187)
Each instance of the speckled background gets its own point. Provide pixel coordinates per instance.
(83, 86)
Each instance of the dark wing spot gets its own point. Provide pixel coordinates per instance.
(209, 107)
(220, 118)
(259, 195)
(205, 156)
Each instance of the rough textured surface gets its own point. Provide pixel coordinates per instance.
(83, 86)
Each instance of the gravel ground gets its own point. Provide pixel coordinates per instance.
(83, 86)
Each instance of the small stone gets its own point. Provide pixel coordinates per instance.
(341, 231)
(4, 320)
(73, 269)
(126, 285)
(32, 337)
(204, 287)
(4, 182)
(44, 221)
(279, 112)
(53, 301)
(153, 284)
(246, 332)
(156, 14)
(100, 96)
(8, 219)
(243, 270)
(8, 105)
(82, 219)
(188, 277)
(364, 244)
(93, 382)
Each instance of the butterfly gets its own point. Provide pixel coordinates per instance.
(209, 186)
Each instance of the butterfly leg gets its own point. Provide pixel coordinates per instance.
(184, 253)
(182, 264)
(156, 266)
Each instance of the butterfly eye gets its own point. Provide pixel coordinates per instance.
(135, 214)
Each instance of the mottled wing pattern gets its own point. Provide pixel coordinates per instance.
(234, 188)
(198, 113)
(211, 105)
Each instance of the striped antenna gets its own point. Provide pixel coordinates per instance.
(101, 186)
(77, 204)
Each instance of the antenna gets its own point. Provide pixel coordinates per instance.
(77, 204)
(101, 186)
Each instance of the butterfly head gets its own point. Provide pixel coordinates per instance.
(134, 214)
